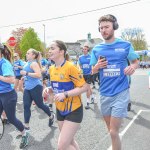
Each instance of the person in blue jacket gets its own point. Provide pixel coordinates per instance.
(8, 96)
(110, 60)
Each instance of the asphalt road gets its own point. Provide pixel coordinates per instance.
(92, 135)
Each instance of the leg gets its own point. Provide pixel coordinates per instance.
(1, 108)
(115, 124)
(27, 101)
(74, 143)
(107, 121)
(67, 133)
(20, 86)
(9, 104)
(16, 84)
(36, 94)
(88, 95)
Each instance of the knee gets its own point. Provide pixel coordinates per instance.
(113, 133)
(62, 145)
(12, 120)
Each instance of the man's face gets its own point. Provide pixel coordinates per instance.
(85, 50)
(106, 30)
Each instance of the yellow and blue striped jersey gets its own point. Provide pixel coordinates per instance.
(66, 78)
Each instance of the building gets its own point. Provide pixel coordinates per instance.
(76, 48)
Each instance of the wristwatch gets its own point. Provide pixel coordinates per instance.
(66, 94)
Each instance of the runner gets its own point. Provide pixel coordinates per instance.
(33, 87)
(110, 60)
(18, 65)
(84, 62)
(8, 96)
(67, 84)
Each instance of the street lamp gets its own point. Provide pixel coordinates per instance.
(44, 41)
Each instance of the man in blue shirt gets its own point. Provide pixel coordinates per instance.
(110, 60)
(84, 62)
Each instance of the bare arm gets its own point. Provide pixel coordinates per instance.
(8, 79)
(36, 69)
(129, 70)
(74, 92)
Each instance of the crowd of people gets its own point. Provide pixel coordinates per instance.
(67, 81)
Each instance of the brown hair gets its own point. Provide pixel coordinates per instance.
(110, 18)
(37, 56)
(62, 46)
(6, 52)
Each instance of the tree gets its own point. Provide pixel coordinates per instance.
(136, 37)
(30, 40)
(18, 34)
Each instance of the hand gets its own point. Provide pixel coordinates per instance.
(22, 72)
(45, 92)
(129, 70)
(59, 97)
(102, 63)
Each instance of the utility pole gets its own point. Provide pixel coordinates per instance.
(44, 41)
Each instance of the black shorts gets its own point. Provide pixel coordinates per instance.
(18, 77)
(88, 78)
(75, 116)
(44, 76)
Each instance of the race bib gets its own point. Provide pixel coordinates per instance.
(111, 71)
(86, 66)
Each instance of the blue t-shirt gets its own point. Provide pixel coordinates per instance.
(44, 62)
(6, 69)
(30, 82)
(112, 79)
(84, 62)
(16, 69)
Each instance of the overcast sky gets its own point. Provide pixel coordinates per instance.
(71, 29)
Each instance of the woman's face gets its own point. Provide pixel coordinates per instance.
(30, 55)
(54, 52)
(16, 56)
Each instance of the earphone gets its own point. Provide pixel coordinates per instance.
(112, 19)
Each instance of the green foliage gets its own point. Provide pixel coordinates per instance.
(136, 37)
(30, 40)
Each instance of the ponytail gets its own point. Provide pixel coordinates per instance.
(67, 57)
(37, 56)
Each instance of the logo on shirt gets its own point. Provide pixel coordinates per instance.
(55, 84)
(61, 76)
(119, 50)
(80, 76)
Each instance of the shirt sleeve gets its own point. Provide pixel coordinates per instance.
(132, 54)
(76, 76)
(93, 60)
(7, 70)
(21, 63)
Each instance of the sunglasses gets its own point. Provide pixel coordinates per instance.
(15, 56)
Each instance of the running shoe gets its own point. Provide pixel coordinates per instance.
(51, 119)
(24, 141)
(27, 129)
(87, 106)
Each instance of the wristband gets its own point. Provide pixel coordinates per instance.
(66, 94)
(27, 73)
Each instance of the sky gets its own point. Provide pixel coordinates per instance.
(73, 28)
